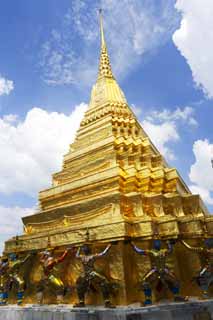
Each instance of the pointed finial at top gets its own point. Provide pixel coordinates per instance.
(104, 66)
(103, 44)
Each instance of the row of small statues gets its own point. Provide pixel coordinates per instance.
(11, 266)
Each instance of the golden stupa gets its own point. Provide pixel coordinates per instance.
(114, 185)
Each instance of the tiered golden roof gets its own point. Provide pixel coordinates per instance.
(112, 175)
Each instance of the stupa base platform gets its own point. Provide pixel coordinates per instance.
(193, 310)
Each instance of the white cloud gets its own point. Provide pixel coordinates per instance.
(163, 127)
(32, 149)
(11, 224)
(201, 172)
(133, 28)
(178, 114)
(194, 39)
(10, 118)
(6, 86)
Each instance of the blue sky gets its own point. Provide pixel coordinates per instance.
(161, 56)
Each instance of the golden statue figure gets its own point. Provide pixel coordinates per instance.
(159, 270)
(204, 277)
(91, 276)
(14, 274)
(50, 277)
(4, 265)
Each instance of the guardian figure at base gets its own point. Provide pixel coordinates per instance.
(15, 277)
(91, 276)
(4, 285)
(159, 270)
(204, 277)
(50, 275)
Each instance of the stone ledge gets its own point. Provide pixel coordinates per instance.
(194, 310)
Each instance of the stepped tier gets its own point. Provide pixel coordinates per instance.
(113, 163)
(116, 217)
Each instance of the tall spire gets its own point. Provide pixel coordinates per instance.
(104, 66)
(103, 44)
(106, 90)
